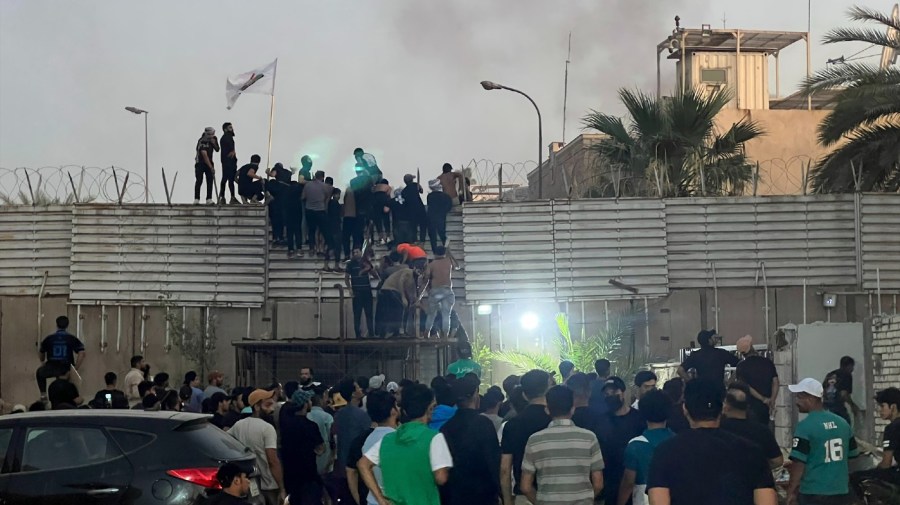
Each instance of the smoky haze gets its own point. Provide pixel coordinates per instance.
(399, 78)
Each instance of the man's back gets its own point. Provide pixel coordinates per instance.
(517, 431)
(61, 347)
(450, 184)
(439, 272)
(562, 458)
(755, 432)
(824, 442)
(710, 363)
(709, 466)
(473, 440)
(258, 436)
(314, 192)
(349, 422)
(439, 205)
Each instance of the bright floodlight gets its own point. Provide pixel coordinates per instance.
(485, 310)
(488, 85)
(529, 321)
(135, 110)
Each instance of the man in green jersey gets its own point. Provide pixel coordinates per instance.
(464, 364)
(823, 442)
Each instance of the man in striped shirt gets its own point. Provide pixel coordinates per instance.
(564, 459)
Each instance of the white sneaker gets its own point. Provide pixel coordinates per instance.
(209, 201)
(196, 202)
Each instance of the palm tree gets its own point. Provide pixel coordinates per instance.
(866, 114)
(671, 147)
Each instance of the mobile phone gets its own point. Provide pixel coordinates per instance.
(108, 397)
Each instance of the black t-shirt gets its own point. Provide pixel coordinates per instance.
(243, 177)
(755, 432)
(472, 440)
(844, 381)
(61, 347)
(892, 438)
(292, 205)
(205, 144)
(362, 194)
(62, 391)
(227, 145)
(223, 498)
(709, 467)
(614, 440)
(299, 437)
(356, 453)
(334, 216)
(710, 363)
(439, 205)
(531, 420)
(358, 280)
(586, 418)
(757, 372)
(413, 202)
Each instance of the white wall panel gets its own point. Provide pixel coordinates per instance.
(34, 240)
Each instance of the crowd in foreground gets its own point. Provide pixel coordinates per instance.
(543, 438)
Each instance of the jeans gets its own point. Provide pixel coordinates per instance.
(229, 172)
(362, 302)
(201, 171)
(316, 221)
(440, 299)
(437, 229)
(389, 313)
(49, 370)
(294, 238)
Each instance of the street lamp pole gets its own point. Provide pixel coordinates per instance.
(488, 85)
(135, 110)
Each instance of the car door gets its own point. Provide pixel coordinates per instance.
(71, 465)
(7, 456)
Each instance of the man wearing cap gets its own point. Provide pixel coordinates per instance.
(623, 424)
(214, 379)
(260, 437)
(203, 164)
(761, 377)
(707, 465)
(302, 442)
(823, 444)
(708, 362)
(235, 484)
(465, 364)
(439, 205)
(316, 196)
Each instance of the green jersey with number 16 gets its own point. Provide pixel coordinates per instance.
(824, 442)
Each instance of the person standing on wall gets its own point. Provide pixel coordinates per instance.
(203, 164)
(229, 163)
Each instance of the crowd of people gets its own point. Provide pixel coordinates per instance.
(544, 438)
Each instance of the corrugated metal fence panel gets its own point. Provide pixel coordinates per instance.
(455, 236)
(509, 251)
(34, 240)
(599, 240)
(881, 240)
(141, 254)
(798, 237)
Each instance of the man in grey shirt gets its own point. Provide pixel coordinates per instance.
(316, 195)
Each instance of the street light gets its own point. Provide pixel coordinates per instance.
(488, 86)
(135, 110)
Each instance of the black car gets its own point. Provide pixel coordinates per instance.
(106, 457)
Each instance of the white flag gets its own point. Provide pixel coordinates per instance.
(261, 81)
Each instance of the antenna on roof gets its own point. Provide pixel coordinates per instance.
(889, 54)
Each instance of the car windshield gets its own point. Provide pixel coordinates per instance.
(213, 442)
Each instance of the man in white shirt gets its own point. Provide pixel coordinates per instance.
(134, 377)
(410, 472)
(258, 435)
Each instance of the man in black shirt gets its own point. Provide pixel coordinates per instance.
(439, 205)
(63, 393)
(203, 164)
(221, 407)
(235, 484)
(357, 280)
(623, 424)
(888, 470)
(585, 417)
(674, 389)
(531, 420)
(302, 441)
(250, 184)
(291, 215)
(279, 178)
(362, 185)
(408, 211)
(59, 352)
(735, 420)
(845, 383)
(707, 465)
(760, 375)
(229, 163)
(597, 403)
(472, 439)
(708, 362)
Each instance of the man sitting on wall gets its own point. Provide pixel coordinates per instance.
(60, 352)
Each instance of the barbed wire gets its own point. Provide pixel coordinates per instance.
(69, 184)
(485, 178)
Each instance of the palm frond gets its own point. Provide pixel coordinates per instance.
(647, 115)
(523, 361)
(859, 13)
(874, 36)
(874, 150)
(836, 77)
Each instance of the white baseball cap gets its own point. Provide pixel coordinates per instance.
(809, 386)
(375, 382)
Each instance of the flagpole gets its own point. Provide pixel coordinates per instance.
(271, 116)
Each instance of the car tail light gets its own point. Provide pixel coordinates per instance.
(205, 477)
